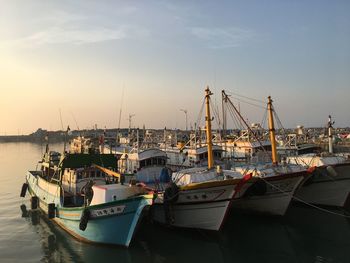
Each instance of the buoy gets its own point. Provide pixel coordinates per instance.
(51, 210)
(84, 219)
(24, 190)
(34, 202)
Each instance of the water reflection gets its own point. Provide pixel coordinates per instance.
(250, 238)
(56, 246)
(318, 236)
(303, 235)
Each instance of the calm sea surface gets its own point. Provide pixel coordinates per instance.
(303, 235)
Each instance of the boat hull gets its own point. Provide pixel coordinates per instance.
(275, 200)
(116, 228)
(326, 187)
(201, 207)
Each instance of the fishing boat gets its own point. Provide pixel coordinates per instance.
(244, 148)
(296, 143)
(199, 197)
(330, 181)
(275, 183)
(144, 164)
(81, 193)
(273, 191)
(189, 153)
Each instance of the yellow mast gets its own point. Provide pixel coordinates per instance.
(272, 131)
(208, 128)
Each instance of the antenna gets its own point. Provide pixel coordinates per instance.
(61, 118)
(121, 107)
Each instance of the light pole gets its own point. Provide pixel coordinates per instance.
(185, 111)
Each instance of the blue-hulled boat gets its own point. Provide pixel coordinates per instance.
(86, 199)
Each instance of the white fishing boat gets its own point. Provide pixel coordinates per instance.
(199, 197)
(274, 190)
(296, 143)
(276, 183)
(244, 147)
(147, 165)
(190, 153)
(330, 181)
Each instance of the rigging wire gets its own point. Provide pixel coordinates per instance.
(235, 118)
(246, 97)
(200, 114)
(263, 121)
(252, 104)
(216, 114)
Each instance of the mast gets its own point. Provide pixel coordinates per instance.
(137, 140)
(164, 138)
(272, 131)
(330, 137)
(224, 118)
(208, 93)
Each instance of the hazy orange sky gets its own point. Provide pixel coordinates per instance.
(78, 56)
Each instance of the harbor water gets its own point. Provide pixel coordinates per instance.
(305, 234)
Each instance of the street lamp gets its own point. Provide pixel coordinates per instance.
(185, 111)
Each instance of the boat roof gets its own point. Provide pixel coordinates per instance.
(79, 160)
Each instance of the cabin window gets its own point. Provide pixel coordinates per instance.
(217, 154)
(148, 162)
(98, 174)
(142, 163)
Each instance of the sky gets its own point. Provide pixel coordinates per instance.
(81, 63)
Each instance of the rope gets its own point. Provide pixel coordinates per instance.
(200, 114)
(263, 121)
(249, 98)
(252, 104)
(216, 115)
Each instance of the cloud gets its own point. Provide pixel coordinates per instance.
(78, 36)
(218, 37)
